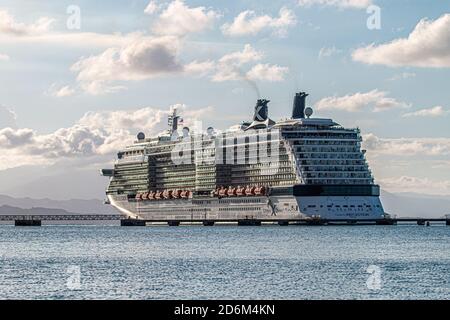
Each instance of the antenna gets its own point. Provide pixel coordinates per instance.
(172, 121)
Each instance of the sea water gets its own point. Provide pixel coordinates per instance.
(225, 262)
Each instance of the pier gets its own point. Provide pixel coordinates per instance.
(36, 220)
(287, 222)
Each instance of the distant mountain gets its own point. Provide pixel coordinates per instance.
(415, 205)
(94, 206)
(5, 210)
(402, 205)
(53, 182)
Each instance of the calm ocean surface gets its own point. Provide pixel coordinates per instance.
(225, 262)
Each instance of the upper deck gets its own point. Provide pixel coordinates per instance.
(260, 153)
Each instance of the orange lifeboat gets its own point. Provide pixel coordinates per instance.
(223, 192)
(250, 191)
(260, 191)
(151, 195)
(138, 197)
(158, 195)
(176, 194)
(145, 196)
(240, 191)
(183, 194)
(231, 192)
(167, 194)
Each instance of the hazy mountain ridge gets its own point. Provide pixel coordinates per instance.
(415, 205)
(93, 206)
(402, 205)
(10, 210)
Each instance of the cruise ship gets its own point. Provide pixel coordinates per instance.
(299, 168)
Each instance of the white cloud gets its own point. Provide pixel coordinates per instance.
(95, 135)
(248, 23)
(4, 57)
(149, 58)
(344, 4)
(402, 76)
(328, 52)
(74, 39)
(178, 19)
(248, 54)
(407, 146)
(9, 25)
(139, 60)
(267, 72)
(437, 111)
(60, 91)
(7, 117)
(152, 7)
(229, 67)
(65, 91)
(199, 68)
(415, 184)
(427, 46)
(377, 100)
(40, 33)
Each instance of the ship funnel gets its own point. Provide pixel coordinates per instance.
(261, 110)
(261, 117)
(298, 110)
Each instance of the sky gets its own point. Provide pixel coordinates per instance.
(79, 79)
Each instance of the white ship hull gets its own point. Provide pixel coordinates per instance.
(264, 208)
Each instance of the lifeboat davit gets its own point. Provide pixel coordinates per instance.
(240, 191)
(145, 196)
(184, 194)
(151, 195)
(158, 195)
(138, 197)
(250, 191)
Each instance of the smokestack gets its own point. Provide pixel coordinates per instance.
(261, 110)
(298, 110)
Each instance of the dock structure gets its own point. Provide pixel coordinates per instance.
(287, 222)
(36, 220)
(27, 223)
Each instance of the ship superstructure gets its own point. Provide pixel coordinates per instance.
(297, 168)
